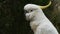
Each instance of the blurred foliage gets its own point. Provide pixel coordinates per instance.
(12, 19)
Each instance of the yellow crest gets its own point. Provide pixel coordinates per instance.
(43, 7)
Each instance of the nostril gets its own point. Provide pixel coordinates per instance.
(26, 11)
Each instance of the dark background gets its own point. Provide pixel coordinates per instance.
(12, 18)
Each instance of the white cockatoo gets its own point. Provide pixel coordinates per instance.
(39, 23)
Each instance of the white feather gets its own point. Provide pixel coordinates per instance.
(39, 23)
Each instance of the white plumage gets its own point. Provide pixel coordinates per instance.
(38, 21)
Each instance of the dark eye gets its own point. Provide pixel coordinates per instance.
(31, 10)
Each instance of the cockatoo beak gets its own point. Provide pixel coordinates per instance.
(43, 7)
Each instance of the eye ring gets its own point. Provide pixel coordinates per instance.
(31, 10)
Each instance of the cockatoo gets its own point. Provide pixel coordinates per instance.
(39, 23)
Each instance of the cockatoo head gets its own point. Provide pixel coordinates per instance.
(32, 9)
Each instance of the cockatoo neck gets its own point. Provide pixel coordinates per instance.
(39, 16)
(39, 19)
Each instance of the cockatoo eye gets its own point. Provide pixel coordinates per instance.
(31, 10)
